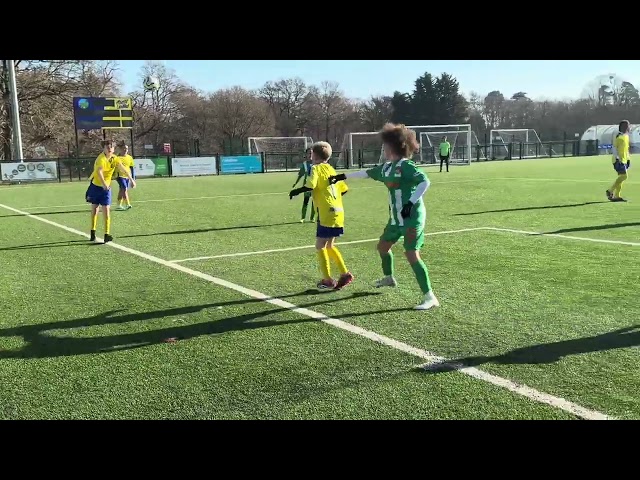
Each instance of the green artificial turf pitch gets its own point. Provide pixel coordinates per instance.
(90, 331)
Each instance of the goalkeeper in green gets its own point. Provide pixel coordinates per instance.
(304, 173)
(407, 214)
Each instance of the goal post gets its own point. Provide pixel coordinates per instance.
(280, 153)
(362, 148)
(365, 148)
(518, 143)
(278, 145)
(462, 139)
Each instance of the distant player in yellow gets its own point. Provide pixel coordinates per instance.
(123, 181)
(621, 161)
(327, 198)
(99, 191)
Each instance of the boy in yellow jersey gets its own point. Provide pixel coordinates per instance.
(621, 161)
(327, 198)
(99, 191)
(123, 181)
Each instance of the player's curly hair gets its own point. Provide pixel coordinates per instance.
(108, 143)
(624, 126)
(400, 139)
(322, 150)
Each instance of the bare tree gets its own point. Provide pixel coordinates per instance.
(493, 111)
(286, 107)
(375, 112)
(476, 119)
(331, 104)
(239, 115)
(155, 110)
(287, 99)
(45, 91)
(194, 119)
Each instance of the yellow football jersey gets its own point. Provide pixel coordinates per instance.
(127, 161)
(108, 166)
(327, 198)
(621, 143)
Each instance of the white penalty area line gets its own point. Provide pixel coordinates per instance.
(303, 247)
(365, 187)
(180, 199)
(566, 237)
(162, 200)
(443, 232)
(519, 389)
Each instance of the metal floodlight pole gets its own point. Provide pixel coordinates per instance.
(15, 112)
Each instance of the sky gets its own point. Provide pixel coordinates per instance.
(544, 79)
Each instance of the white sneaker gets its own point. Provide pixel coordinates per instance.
(429, 301)
(388, 281)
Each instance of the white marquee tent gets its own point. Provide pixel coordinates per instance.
(605, 134)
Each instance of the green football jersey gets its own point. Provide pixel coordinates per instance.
(305, 170)
(401, 178)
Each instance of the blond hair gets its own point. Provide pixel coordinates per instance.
(322, 150)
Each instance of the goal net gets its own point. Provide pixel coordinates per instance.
(279, 145)
(361, 149)
(280, 153)
(463, 141)
(518, 143)
(364, 149)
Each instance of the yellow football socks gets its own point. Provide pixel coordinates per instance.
(323, 263)
(336, 256)
(617, 185)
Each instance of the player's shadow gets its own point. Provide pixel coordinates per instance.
(596, 227)
(521, 209)
(40, 214)
(550, 352)
(206, 230)
(63, 243)
(40, 344)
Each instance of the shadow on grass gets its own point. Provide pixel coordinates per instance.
(607, 226)
(546, 353)
(522, 209)
(42, 214)
(63, 243)
(205, 230)
(41, 345)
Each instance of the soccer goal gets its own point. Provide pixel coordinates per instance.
(279, 145)
(365, 148)
(463, 141)
(518, 143)
(361, 149)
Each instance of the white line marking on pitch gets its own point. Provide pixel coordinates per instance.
(514, 387)
(558, 235)
(369, 240)
(161, 200)
(213, 197)
(288, 249)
